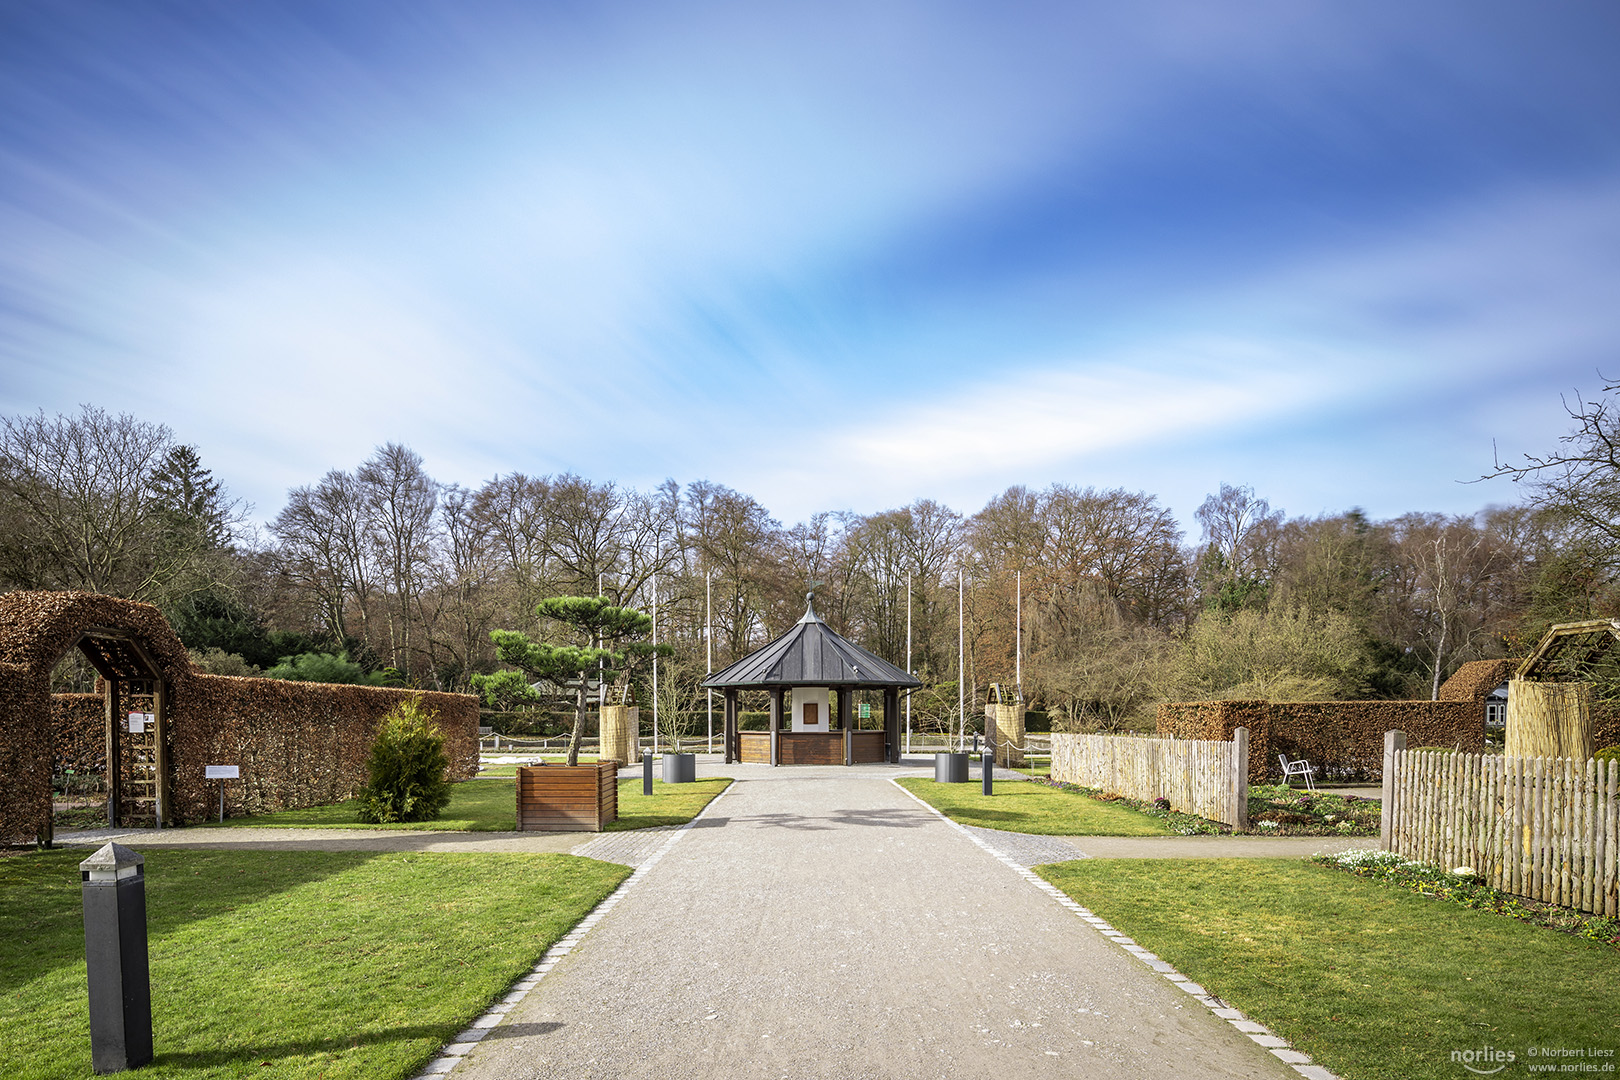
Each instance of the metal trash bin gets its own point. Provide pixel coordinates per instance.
(680, 768)
(951, 768)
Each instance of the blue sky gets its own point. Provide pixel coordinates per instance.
(835, 256)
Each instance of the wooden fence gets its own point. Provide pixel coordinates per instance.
(1210, 779)
(1543, 828)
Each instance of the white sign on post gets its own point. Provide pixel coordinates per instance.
(138, 721)
(222, 772)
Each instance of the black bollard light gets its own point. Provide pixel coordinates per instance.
(646, 773)
(988, 761)
(113, 881)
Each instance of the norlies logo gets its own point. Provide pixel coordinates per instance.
(1475, 1061)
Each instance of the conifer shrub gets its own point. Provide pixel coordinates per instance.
(1608, 753)
(405, 773)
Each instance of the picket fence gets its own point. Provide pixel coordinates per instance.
(1543, 828)
(1210, 779)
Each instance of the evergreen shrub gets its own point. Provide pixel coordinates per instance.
(405, 773)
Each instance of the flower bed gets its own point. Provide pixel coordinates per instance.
(1278, 810)
(1461, 885)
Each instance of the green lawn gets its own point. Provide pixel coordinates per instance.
(670, 804)
(281, 964)
(1373, 981)
(1021, 806)
(490, 805)
(475, 805)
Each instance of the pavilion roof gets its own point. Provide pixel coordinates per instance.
(810, 654)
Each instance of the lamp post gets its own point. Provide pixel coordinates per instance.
(655, 665)
(708, 644)
(961, 668)
(908, 661)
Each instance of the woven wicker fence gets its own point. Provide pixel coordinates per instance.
(1543, 828)
(1197, 776)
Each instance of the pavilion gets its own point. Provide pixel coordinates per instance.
(818, 667)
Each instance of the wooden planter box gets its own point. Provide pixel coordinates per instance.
(563, 798)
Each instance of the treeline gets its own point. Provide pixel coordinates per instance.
(391, 575)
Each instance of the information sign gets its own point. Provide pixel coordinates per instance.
(222, 772)
(138, 721)
(866, 711)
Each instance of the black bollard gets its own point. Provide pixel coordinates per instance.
(113, 881)
(646, 773)
(988, 761)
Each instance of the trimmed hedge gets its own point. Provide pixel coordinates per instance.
(1345, 737)
(298, 744)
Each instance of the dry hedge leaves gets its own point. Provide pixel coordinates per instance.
(298, 744)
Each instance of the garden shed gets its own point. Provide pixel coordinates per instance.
(812, 675)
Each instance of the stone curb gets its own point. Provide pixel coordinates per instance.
(456, 1052)
(1258, 1033)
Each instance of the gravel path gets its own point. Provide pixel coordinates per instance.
(830, 927)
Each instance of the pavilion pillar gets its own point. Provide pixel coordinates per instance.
(891, 722)
(844, 721)
(730, 711)
(776, 726)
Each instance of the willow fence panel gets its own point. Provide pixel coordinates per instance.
(1197, 776)
(1547, 829)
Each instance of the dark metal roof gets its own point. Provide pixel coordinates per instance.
(810, 654)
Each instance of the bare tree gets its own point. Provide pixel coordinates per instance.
(108, 504)
(400, 499)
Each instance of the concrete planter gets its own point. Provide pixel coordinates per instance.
(951, 768)
(680, 768)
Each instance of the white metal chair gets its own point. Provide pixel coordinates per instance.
(1297, 768)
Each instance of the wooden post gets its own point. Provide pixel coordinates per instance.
(160, 752)
(115, 786)
(1548, 719)
(1393, 741)
(1240, 778)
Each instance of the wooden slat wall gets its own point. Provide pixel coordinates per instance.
(1197, 776)
(1543, 828)
(559, 798)
(812, 747)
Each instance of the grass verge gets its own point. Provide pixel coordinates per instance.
(480, 805)
(281, 964)
(670, 804)
(490, 805)
(1373, 981)
(1034, 808)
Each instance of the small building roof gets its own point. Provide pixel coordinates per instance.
(810, 654)
(1569, 650)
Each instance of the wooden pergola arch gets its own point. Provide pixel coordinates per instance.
(810, 655)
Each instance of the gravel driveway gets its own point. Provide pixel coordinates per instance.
(822, 924)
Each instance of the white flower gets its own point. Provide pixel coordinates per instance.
(1268, 824)
(1463, 871)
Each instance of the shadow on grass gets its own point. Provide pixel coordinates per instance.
(266, 1053)
(41, 902)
